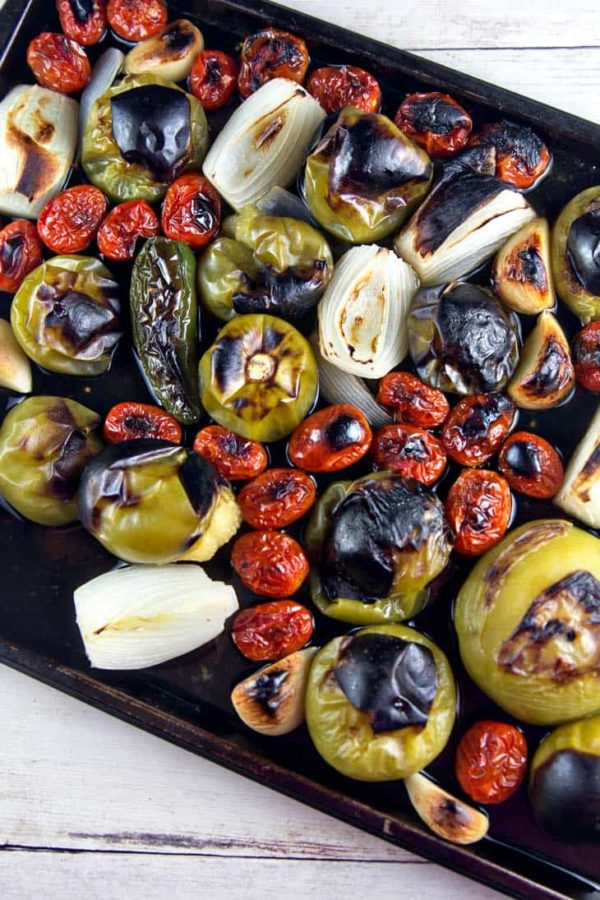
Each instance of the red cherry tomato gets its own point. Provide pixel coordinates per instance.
(83, 22)
(412, 401)
(213, 78)
(531, 465)
(270, 563)
(331, 439)
(191, 210)
(131, 421)
(234, 457)
(476, 427)
(272, 630)
(69, 222)
(586, 355)
(20, 253)
(119, 232)
(491, 761)
(521, 156)
(271, 54)
(338, 86)
(58, 63)
(478, 508)
(277, 498)
(136, 20)
(409, 451)
(436, 122)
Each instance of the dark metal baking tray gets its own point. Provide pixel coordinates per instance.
(187, 701)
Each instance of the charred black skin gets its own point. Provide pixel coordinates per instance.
(483, 415)
(177, 37)
(435, 115)
(393, 680)
(344, 431)
(565, 795)
(290, 294)
(583, 250)
(532, 267)
(79, 319)
(524, 459)
(266, 690)
(82, 9)
(552, 372)
(511, 139)
(265, 51)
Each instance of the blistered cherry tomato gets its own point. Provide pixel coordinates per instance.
(82, 20)
(409, 451)
(20, 253)
(269, 563)
(331, 439)
(271, 54)
(234, 457)
(131, 421)
(412, 401)
(436, 122)
(191, 210)
(586, 356)
(531, 465)
(277, 498)
(476, 427)
(136, 20)
(213, 78)
(69, 222)
(478, 508)
(58, 63)
(338, 86)
(272, 630)
(119, 232)
(491, 761)
(521, 156)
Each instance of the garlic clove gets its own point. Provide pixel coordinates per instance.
(522, 273)
(15, 368)
(545, 375)
(580, 493)
(447, 816)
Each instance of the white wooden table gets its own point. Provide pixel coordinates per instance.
(91, 807)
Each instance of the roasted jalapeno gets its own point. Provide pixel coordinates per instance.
(233, 456)
(213, 78)
(521, 156)
(45, 444)
(435, 122)
(191, 211)
(259, 378)
(150, 501)
(20, 253)
(476, 427)
(478, 508)
(271, 54)
(68, 223)
(409, 451)
(272, 264)
(65, 316)
(58, 63)
(412, 401)
(269, 563)
(365, 177)
(132, 421)
(375, 545)
(576, 254)
(338, 86)
(277, 498)
(586, 356)
(272, 630)
(531, 465)
(527, 622)
(83, 21)
(380, 702)
(545, 375)
(164, 321)
(491, 761)
(331, 439)
(140, 135)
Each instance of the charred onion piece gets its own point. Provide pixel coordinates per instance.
(545, 374)
(576, 254)
(271, 54)
(580, 493)
(436, 122)
(169, 54)
(521, 274)
(447, 816)
(15, 368)
(521, 156)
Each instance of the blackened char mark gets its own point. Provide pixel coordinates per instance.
(434, 114)
(266, 690)
(583, 250)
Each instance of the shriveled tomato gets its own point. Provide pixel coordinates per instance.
(331, 439)
(213, 78)
(131, 421)
(478, 508)
(69, 222)
(586, 356)
(271, 54)
(476, 427)
(521, 156)
(136, 20)
(82, 20)
(436, 122)
(491, 761)
(338, 86)
(272, 630)
(191, 210)
(270, 563)
(531, 465)
(119, 232)
(410, 451)
(412, 401)
(277, 498)
(58, 63)
(233, 456)
(20, 253)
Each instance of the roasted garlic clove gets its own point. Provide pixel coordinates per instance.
(521, 272)
(15, 368)
(447, 816)
(545, 374)
(272, 700)
(580, 493)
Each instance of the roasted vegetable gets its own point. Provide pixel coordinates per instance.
(478, 509)
(435, 122)
(526, 619)
(58, 63)
(271, 264)
(170, 54)
(233, 457)
(191, 210)
(447, 816)
(20, 253)
(586, 354)
(272, 630)
(476, 427)
(164, 321)
(331, 439)
(521, 274)
(271, 54)
(338, 86)
(580, 493)
(136, 20)
(409, 451)
(461, 339)
(545, 375)
(45, 444)
(576, 254)
(15, 368)
(68, 222)
(119, 232)
(531, 465)
(380, 702)
(491, 761)
(365, 177)
(150, 501)
(277, 498)
(65, 316)
(564, 781)
(412, 401)
(105, 70)
(213, 78)
(269, 563)
(375, 544)
(82, 20)
(259, 378)
(140, 135)
(132, 421)
(521, 156)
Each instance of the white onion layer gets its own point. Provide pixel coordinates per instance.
(580, 494)
(105, 71)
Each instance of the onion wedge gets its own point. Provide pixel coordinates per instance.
(105, 71)
(580, 493)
